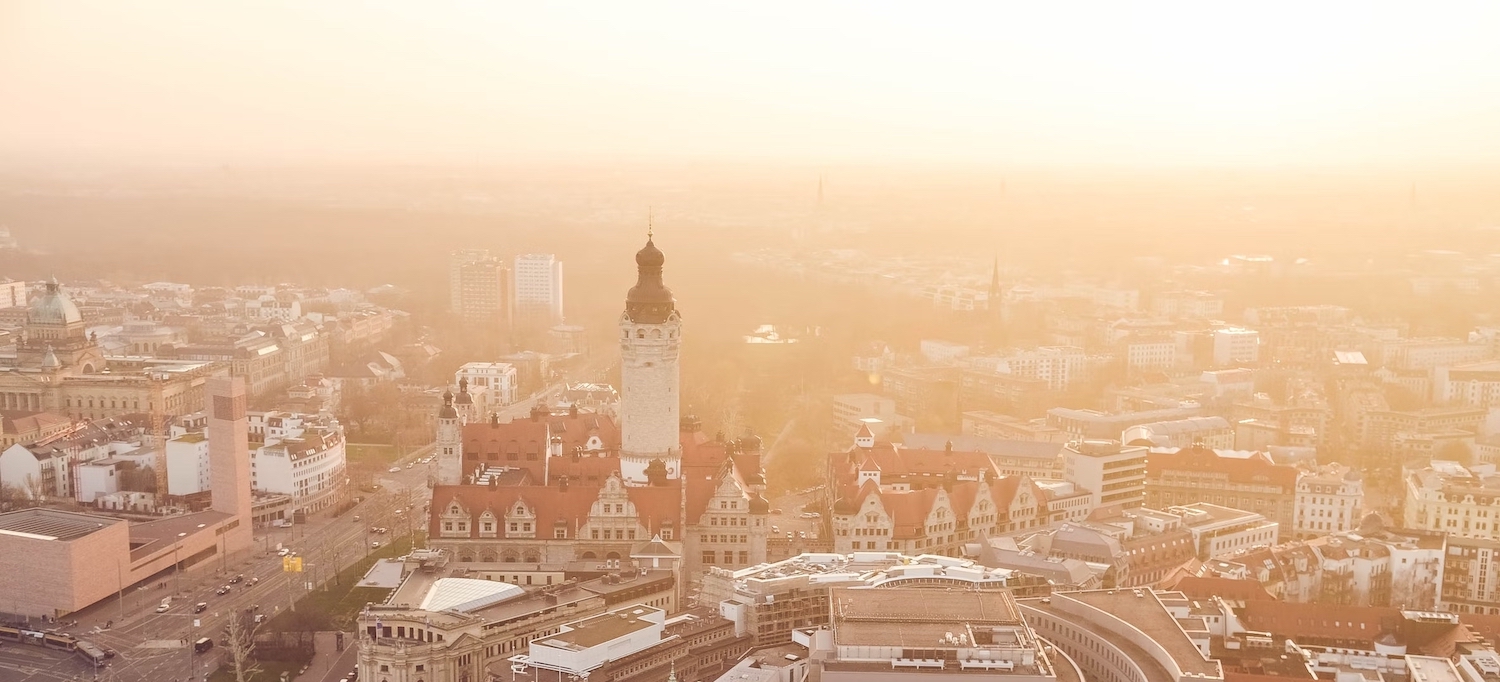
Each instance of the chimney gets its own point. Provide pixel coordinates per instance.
(494, 420)
(556, 447)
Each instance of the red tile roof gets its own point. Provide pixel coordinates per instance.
(1195, 587)
(1256, 469)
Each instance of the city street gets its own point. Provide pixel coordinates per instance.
(157, 647)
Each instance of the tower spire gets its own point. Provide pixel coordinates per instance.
(650, 220)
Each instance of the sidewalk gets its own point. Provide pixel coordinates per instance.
(324, 655)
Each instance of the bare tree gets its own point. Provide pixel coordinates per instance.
(35, 488)
(239, 638)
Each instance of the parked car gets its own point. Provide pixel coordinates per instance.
(374, 543)
(253, 581)
(809, 515)
(283, 552)
(260, 618)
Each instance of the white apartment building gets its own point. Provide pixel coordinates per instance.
(1214, 433)
(302, 457)
(538, 289)
(99, 478)
(1149, 354)
(1234, 346)
(1219, 530)
(1475, 385)
(1059, 366)
(1430, 353)
(496, 379)
(850, 410)
(942, 352)
(1195, 304)
(1329, 500)
(1113, 474)
(187, 464)
(1450, 498)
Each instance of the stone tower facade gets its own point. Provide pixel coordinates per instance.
(650, 376)
(229, 459)
(449, 444)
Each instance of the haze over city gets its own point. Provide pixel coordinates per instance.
(830, 341)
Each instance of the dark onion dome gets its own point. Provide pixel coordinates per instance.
(649, 301)
(759, 505)
(463, 398)
(447, 411)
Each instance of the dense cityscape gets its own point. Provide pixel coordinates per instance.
(774, 342)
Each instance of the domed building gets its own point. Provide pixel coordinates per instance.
(55, 327)
(58, 367)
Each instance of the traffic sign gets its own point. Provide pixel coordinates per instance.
(291, 564)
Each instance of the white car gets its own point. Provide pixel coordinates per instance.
(163, 608)
(393, 470)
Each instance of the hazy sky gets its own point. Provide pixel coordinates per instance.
(995, 83)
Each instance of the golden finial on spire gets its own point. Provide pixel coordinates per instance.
(649, 219)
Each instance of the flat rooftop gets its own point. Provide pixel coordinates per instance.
(605, 627)
(51, 524)
(1155, 621)
(151, 536)
(926, 606)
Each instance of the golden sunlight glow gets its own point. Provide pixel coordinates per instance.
(974, 82)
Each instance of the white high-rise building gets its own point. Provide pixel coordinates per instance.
(538, 290)
(650, 377)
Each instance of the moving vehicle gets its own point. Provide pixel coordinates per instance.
(92, 654)
(374, 544)
(237, 579)
(163, 607)
(393, 470)
(282, 523)
(203, 644)
(222, 590)
(283, 552)
(200, 607)
(253, 581)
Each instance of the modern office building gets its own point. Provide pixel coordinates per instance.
(1114, 474)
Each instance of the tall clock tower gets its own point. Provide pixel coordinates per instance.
(650, 377)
